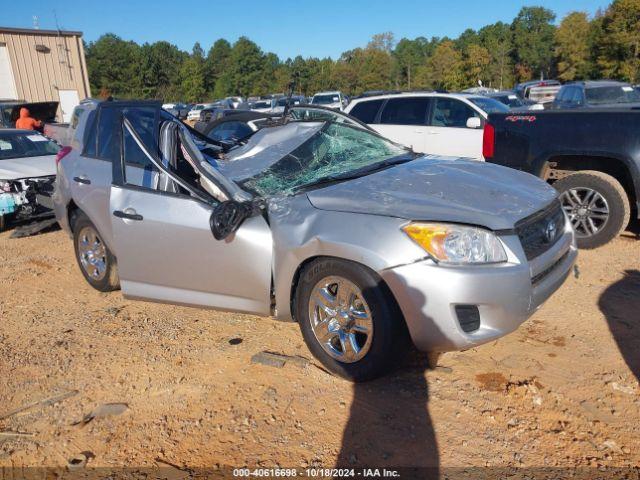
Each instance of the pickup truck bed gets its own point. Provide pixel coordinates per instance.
(591, 156)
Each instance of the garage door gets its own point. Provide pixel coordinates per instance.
(7, 83)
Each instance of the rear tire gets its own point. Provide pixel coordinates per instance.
(364, 334)
(597, 205)
(96, 262)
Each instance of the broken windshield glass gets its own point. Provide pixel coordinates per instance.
(331, 153)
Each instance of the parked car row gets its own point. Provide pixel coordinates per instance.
(456, 125)
(596, 94)
(445, 253)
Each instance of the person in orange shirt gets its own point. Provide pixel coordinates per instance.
(25, 122)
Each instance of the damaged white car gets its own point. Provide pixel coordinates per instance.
(27, 176)
(316, 219)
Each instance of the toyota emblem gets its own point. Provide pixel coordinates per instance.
(550, 231)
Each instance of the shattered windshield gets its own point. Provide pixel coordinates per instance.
(334, 152)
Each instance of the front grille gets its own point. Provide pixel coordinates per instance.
(540, 231)
(547, 271)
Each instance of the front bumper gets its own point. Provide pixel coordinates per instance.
(505, 294)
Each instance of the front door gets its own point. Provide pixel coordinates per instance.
(448, 133)
(166, 251)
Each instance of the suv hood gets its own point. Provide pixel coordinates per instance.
(436, 189)
(28, 167)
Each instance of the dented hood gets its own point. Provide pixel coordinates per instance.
(433, 189)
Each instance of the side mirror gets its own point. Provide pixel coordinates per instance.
(227, 217)
(474, 122)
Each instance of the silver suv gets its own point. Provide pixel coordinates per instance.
(316, 219)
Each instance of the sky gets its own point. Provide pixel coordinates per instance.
(285, 27)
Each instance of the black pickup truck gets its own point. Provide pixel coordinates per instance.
(591, 156)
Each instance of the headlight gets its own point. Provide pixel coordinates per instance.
(457, 244)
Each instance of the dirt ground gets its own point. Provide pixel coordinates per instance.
(561, 391)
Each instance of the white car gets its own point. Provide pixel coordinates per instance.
(194, 113)
(27, 175)
(447, 124)
(334, 100)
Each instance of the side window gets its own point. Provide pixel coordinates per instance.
(90, 138)
(143, 121)
(109, 134)
(406, 111)
(366, 111)
(576, 98)
(138, 168)
(450, 112)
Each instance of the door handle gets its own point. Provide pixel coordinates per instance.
(84, 180)
(129, 214)
(433, 132)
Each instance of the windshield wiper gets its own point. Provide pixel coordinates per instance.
(360, 172)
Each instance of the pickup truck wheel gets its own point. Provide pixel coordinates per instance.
(96, 262)
(349, 319)
(3, 223)
(597, 206)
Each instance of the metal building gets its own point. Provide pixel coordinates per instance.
(43, 65)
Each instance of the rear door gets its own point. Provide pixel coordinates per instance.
(448, 133)
(89, 173)
(164, 245)
(404, 120)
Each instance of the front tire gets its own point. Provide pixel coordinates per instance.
(349, 319)
(96, 262)
(597, 206)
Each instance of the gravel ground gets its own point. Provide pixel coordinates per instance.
(561, 391)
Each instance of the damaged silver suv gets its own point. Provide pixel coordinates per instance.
(313, 218)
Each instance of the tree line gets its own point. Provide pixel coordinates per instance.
(499, 55)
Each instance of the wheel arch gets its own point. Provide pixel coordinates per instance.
(72, 211)
(625, 171)
(296, 280)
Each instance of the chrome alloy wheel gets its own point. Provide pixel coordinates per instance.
(340, 319)
(92, 253)
(588, 211)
